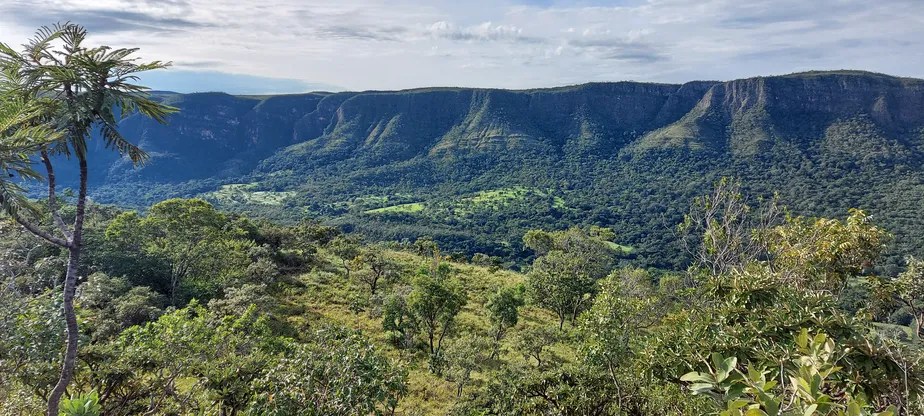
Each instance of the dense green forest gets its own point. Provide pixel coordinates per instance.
(582, 291)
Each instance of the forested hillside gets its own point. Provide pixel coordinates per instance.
(474, 169)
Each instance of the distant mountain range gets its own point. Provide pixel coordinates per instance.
(474, 167)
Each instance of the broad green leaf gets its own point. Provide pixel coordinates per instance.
(696, 377)
(700, 388)
(725, 368)
(853, 409)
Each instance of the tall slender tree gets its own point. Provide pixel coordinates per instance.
(80, 90)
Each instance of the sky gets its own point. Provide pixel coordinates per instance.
(292, 46)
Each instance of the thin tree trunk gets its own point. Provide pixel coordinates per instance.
(495, 349)
(174, 282)
(918, 324)
(70, 287)
(52, 195)
(446, 328)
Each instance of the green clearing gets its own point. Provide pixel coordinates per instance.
(410, 208)
(244, 193)
(500, 197)
(620, 247)
(493, 199)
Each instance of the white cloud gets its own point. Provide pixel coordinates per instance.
(486, 31)
(362, 44)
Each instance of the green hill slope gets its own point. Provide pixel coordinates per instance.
(625, 155)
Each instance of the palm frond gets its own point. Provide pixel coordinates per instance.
(114, 140)
(19, 138)
(73, 36)
(38, 47)
(141, 102)
(14, 201)
(15, 164)
(9, 56)
(117, 70)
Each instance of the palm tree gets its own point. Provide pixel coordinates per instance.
(79, 90)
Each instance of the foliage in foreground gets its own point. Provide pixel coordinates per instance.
(764, 330)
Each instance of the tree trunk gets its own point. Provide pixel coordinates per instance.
(918, 324)
(575, 311)
(70, 287)
(174, 282)
(495, 348)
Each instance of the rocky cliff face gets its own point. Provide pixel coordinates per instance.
(218, 135)
(392, 126)
(746, 117)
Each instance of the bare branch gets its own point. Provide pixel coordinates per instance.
(39, 232)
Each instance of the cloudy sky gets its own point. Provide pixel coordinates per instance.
(256, 46)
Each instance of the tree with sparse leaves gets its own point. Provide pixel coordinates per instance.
(435, 301)
(465, 355)
(380, 268)
(503, 311)
(533, 342)
(347, 248)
